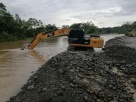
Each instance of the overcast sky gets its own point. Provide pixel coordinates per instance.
(103, 13)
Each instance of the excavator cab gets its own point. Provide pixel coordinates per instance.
(78, 41)
(76, 36)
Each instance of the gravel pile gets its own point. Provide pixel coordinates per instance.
(122, 41)
(122, 48)
(83, 77)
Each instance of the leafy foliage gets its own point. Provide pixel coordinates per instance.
(14, 28)
(7, 37)
(125, 28)
(88, 27)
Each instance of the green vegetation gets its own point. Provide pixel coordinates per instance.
(14, 28)
(89, 28)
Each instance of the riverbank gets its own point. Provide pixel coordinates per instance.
(86, 77)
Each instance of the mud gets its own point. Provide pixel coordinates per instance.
(109, 76)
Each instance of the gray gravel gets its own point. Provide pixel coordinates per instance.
(109, 76)
(122, 48)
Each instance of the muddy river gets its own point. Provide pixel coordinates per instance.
(17, 65)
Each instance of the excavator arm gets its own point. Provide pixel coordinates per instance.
(44, 35)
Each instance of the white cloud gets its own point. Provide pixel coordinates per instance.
(102, 13)
(111, 10)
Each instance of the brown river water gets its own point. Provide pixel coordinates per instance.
(16, 65)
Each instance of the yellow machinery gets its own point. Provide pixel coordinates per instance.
(44, 35)
(76, 39)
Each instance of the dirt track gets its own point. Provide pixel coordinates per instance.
(109, 76)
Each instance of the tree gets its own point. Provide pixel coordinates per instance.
(50, 27)
(65, 26)
(88, 27)
(2, 7)
(76, 26)
(6, 19)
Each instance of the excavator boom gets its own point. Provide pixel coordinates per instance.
(44, 35)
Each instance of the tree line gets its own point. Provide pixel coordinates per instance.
(14, 28)
(89, 28)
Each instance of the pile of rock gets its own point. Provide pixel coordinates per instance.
(123, 48)
(83, 77)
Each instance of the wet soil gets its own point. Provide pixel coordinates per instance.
(108, 76)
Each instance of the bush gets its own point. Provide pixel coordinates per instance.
(5, 37)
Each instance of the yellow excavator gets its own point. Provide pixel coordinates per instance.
(76, 39)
